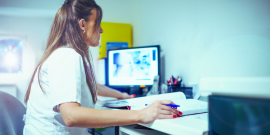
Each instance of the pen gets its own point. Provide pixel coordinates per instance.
(171, 105)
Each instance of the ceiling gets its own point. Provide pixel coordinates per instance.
(30, 8)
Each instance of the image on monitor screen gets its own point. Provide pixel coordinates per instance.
(11, 55)
(136, 66)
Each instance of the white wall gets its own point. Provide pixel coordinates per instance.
(33, 19)
(224, 38)
(35, 30)
(118, 11)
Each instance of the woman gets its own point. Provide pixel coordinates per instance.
(63, 90)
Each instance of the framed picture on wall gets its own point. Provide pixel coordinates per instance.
(11, 52)
(17, 59)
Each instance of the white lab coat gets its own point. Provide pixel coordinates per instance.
(62, 78)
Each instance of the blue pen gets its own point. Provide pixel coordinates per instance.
(171, 105)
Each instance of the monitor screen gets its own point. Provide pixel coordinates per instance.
(231, 115)
(133, 66)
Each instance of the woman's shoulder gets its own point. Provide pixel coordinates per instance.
(63, 54)
(65, 51)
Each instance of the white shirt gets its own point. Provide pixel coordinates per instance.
(62, 77)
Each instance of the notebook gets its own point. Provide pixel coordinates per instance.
(187, 106)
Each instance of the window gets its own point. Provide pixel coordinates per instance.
(11, 50)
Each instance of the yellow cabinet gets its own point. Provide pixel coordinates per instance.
(114, 32)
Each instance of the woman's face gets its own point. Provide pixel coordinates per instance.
(91, 37)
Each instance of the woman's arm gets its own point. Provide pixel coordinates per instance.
(108, 92)
(76, 116)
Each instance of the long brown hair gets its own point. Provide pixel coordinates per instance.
(65, 30)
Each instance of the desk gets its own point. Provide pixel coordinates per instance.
(185, 125)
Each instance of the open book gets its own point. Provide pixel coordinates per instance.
(187, 106)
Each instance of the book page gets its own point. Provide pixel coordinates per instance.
(187, 106)
(191, 106)
(140, 103)
(152, 98)
(202, 116)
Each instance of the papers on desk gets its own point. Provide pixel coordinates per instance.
(187, 106)
(152, 98)
(191, 106)
(202, 116)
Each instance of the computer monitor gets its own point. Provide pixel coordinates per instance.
(236, 115)
(133, 66)
(116, 45)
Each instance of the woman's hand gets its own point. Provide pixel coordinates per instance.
(126, 96)
(158, 110)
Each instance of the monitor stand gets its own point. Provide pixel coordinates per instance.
(135, 90)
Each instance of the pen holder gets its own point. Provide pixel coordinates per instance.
(174, 88)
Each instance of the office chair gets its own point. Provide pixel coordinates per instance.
(11, 115)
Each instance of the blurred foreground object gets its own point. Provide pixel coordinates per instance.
(11, 115)
(234, 115)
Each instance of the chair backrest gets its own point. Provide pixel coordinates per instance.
(11, 115)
